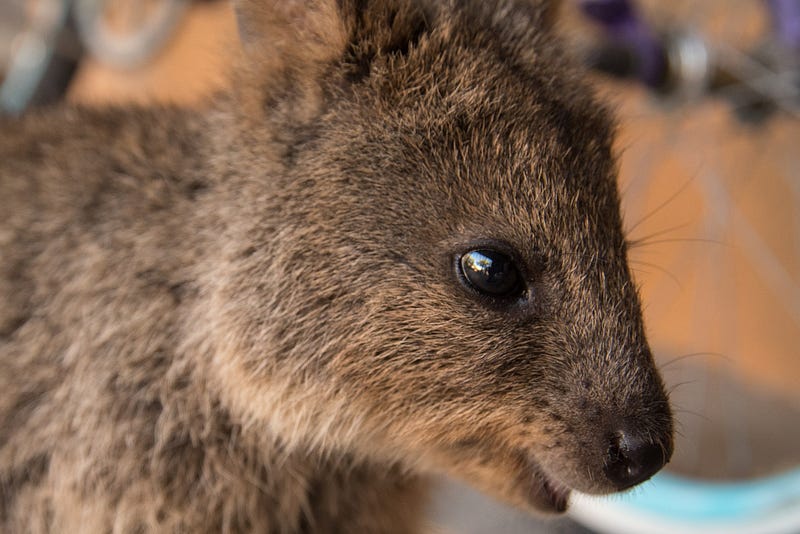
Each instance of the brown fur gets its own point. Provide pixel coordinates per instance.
(248, 319)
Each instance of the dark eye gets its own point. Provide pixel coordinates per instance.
(491, 273)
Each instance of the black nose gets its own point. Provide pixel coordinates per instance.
(632, 460)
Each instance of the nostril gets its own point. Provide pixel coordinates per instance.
(632, 460)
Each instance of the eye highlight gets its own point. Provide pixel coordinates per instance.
(491, 273)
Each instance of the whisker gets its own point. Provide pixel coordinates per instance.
(664, 204)
(695, 355)
(672, 388)
(679, 427)
(633, 243)
(684, 240)
(696, 414)
(660, 269)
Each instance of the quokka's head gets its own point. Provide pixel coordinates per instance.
(423, 259)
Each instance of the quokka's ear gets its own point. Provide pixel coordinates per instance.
(301, 34)
(544, 13)
(291, 45)
(291, 33)
(550, 10)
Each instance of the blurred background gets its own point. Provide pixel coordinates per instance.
(709, 144)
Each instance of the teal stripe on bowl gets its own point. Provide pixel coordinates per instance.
(682, 498)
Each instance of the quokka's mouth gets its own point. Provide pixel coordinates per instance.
(546, 493)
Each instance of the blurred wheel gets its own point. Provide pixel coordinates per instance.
(126, 33)
(38, 53)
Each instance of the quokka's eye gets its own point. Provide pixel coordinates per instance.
(491, 273)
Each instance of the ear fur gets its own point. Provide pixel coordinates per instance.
(382, 28)
(290, 44)
(283, 33)
(549, 12)
(301, 33)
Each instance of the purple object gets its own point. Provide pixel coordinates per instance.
(786, 21)
(625, 27)
(609, 13)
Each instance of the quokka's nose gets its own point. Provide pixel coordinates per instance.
(632, 459)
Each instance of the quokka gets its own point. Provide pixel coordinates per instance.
(393, 249)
